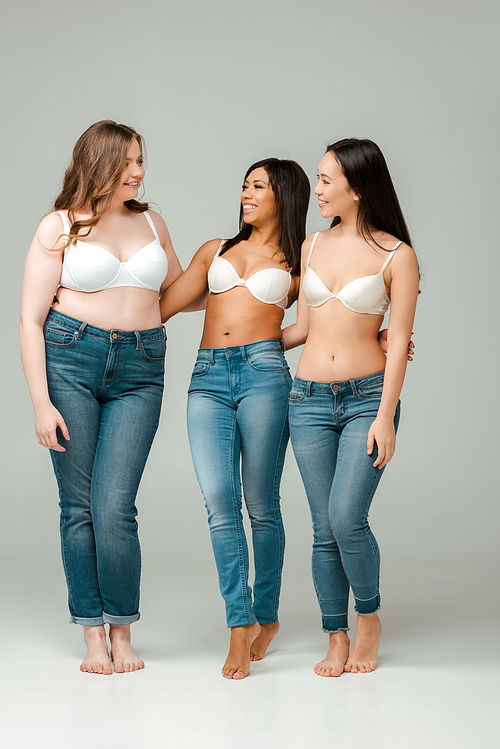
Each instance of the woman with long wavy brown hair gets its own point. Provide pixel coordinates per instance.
(93, 351)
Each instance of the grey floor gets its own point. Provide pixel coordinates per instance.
(436, 684)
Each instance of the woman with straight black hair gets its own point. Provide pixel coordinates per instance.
(238, 396)
(344, 403)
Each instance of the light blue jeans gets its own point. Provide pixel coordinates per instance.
(329, 424)
(108, 386)
(237, 414)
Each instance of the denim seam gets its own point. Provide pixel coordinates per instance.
(238, 525)
(117, 365)
(368, 531)
(281, 550)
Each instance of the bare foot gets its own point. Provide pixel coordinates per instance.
(363, 656)
(337, 655)
(263, 640)
(97, 660)
(237, 663)
(122, 654)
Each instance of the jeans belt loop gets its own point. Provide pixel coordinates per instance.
(138, 339)
(81, 330)
(353, 387)
(308, 388)
(283, 346)
(243, 350)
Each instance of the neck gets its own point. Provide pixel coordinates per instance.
(263, 235)
(349, 224)
(117, 208)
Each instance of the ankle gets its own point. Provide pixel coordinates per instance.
(119, 632)
(368, 621)
(94, 633)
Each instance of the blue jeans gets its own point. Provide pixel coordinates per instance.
(237, 412)
(329, 424)
(108, 387)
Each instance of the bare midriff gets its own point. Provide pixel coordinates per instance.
(124, 308)
(341, 345)
(236, 318)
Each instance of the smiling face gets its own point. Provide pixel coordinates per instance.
(132, 175)
(257, 198)
(335, 196)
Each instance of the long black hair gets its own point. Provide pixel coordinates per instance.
(292, 190)
(365, 169)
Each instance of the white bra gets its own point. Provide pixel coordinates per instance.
(269, 285)
(88, 267)
(365, 295)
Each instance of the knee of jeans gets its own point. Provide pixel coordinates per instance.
(347, 528)
(76, 505)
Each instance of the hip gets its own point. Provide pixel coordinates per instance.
(336, 402)
(77, 350)
(238, 370)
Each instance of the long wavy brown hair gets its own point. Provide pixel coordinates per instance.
(94, 173)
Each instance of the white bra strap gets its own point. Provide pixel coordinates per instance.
(222, 243)
(65, 221)
(391, 255)
(151, 223)
(312, 246)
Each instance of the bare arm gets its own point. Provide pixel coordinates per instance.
(174, 267)
(191, 287)
(382, 339)
(41, 278)
(404, 292)
(296, 334)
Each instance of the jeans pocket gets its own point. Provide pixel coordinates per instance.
(266, 361)
(371, 389)
(154, 349)
(58, 335)
(296, 395)
(200, 368)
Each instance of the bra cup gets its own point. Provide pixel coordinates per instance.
(315, 291)
(270, 285)
(222, 276)
(89, 268)
(363, 294)
(146, 266)
(366, 295)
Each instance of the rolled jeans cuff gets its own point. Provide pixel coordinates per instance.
(96, 621)
(368, 606)
(334, 622)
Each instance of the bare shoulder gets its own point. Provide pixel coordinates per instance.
(209, 249)
(404, 255)
(159, 223)
(306, 244)
(51, 233)
(156, 218)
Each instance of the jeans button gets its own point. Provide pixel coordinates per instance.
(335, 387)
(229, 353)
(114, 335)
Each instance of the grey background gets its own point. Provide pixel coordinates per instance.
(214, 87)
